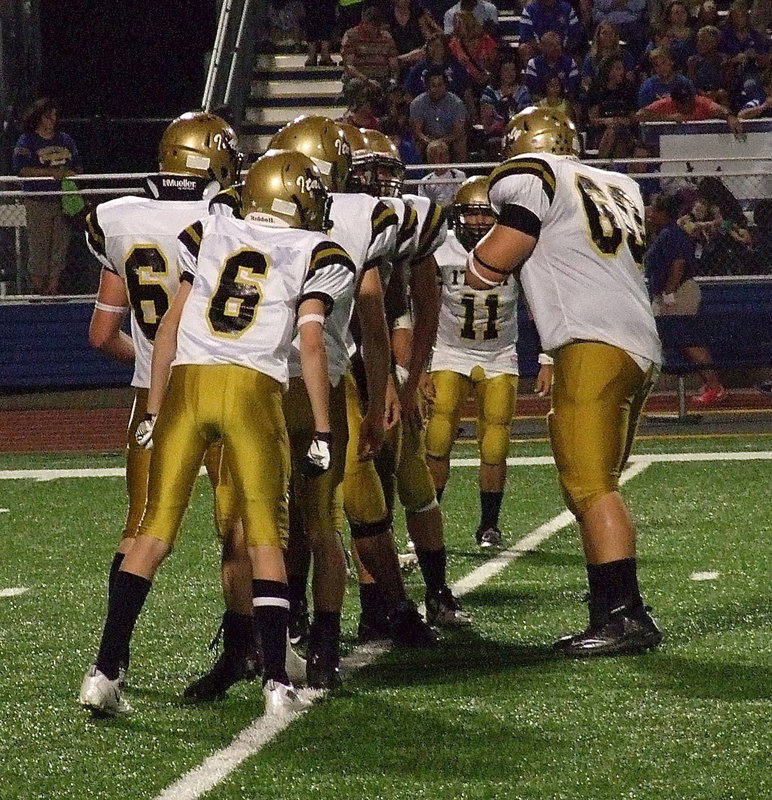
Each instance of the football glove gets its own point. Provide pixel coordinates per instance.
(317, 460)
(144, 432)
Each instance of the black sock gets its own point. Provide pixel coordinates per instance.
(490, 508)
(296, 587)
(271, 603)
(439, 492)
(126, 601)
(612, 585)
(326, 625)
(238, 634)
(373, 601)
(114, 567)
(433, 564)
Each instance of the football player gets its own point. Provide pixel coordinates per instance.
(135, 240)
(401, 463)
(575, 236)
(223, 347)
(366, 228)
(475, 351)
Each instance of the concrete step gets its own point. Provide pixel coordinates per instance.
(294, 87)
(277, 62)
(254, 144)
(280, 115)
(295, 100)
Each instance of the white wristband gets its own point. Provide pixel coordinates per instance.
(470, 266)
(310, 318)
(112, 309)
(545, 360)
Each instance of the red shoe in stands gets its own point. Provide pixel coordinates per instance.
(711, 397)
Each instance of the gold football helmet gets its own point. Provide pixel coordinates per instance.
(540, 130)
(359, 179)
(202, 144)
(471, 213)
(323, 141)
(387, 167)
(285, 187)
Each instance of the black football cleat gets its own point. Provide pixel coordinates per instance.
(373, 628)
(624, 631)
(226, 671)
(323, 663)
(299, 623)
(409, 629)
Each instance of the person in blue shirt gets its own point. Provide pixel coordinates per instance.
(664, 79)
(550, 63)
(43, 151)
(670, 266)
(540, 16)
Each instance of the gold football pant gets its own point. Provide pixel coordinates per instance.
(138, 466)
(495, 400)
(597, 396)
(243, 408)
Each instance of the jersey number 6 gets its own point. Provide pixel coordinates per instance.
(234, 304)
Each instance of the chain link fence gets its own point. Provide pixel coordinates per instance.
(743, 198)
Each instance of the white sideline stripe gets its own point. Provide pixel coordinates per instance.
(4, 510)
(14, 591)
(252, 739)
(704, 576)
(520, 461)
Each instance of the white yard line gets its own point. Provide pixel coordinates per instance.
(521, 461)
(14, 591)
(262, 731)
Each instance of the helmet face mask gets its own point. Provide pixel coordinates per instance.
(387, 167)
(540, 130)
(471, 213)
(324, 142)
(202, 145)
(284, 188)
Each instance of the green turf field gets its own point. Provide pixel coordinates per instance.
(491, 714)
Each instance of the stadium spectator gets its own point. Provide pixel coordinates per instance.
(484, 12)
(475, 50)
(540, 16)
(44, 151)
(320, 30)
(684, 105)
(439, 114)
(403, 140)
(349, 13)
(628, 18)
(605, 43)
(670, 268)
(410, 25)
(760, 107)
(611, 102)
(680, 31)
(437, 54)
(709, 69)
(369, 52)
(360, 96)
(664, 79)
(397, 112)
(499, 102)
(440, 184)
(552, 61)
(748, 50)
(707, 14)
(555, 98)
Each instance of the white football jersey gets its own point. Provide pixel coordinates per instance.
(432, 225)
(367, 230)
(248, 280)
(583, 280)
(475, 328)
(136, 238)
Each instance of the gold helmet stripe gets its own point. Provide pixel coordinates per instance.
(527, 166)
(96, 236)
(409, 225)
(191, 237)
(382, 218)
(435, 219)
(327, 254)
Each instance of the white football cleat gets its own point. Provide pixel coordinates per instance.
(282, 700)
(295, 666)
(101, 695)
